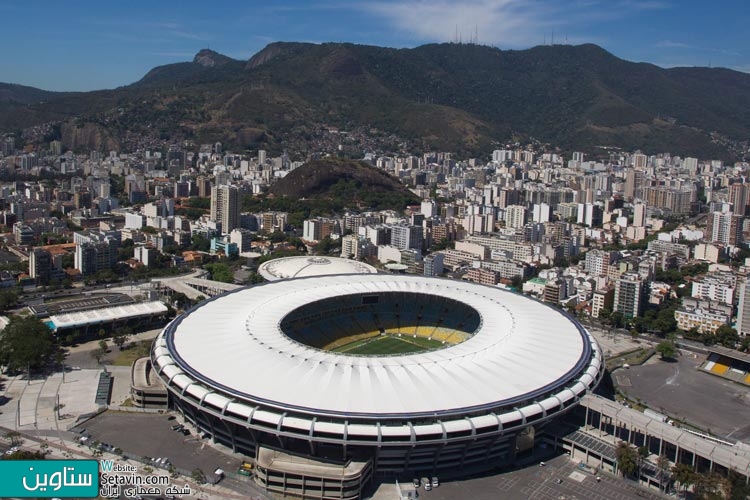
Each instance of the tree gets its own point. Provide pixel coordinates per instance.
(627, 459)
(712, 487)
(684, 474)
(25, 343)
(617, 319)
(98, 354)
(727, 336)
(60, 356)
(666, 349)
(100, 351)
(198, 476)
(180, 300)
(739, 488)
(8, 299)
(220, 272)
(662, 463)
(643, 453)
(14, 437)
(121, 336)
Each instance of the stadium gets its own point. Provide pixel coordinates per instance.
(330, 381)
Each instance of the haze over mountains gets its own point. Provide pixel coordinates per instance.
(460, 97)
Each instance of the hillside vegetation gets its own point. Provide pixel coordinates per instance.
(466, 98)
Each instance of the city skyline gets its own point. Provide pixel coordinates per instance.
(87, 46)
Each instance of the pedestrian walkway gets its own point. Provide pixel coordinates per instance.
(33, 404)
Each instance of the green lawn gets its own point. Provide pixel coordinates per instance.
(389, 344)
(127, 356)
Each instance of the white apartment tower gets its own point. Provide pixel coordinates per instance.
(743, 310)
(515, 216)
(225, 207)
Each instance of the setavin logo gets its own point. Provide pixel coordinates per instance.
(49, 478)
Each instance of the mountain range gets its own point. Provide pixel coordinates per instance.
(459, 97)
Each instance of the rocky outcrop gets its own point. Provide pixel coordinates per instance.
(87, 137)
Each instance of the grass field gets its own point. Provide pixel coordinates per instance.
(137, 350)
(389, 344)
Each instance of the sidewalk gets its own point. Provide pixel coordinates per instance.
(94, 344)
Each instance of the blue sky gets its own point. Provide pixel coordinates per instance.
(86, 45)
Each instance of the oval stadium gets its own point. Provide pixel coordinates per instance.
(331, 381)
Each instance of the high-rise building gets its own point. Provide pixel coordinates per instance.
(40, 266)
(317, 229)
(629, 293)
(541, 212)
(202, 186)
(676, 200)
(225, 207)
(90, 258)
(515, 216)
(634, 180)
(589, 214)
(639, 161)
(433, 264)
(406, 237)
(743, 310)
(724, 227)
(738, 197)
(639, 215)
(598, 261)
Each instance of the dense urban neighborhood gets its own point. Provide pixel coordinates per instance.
(274, 278)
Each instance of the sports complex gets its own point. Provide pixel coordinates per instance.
(330, 381)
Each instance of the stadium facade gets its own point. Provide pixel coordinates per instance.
(265, 371)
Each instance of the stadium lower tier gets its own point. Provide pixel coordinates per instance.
(393, 448)
(247, 369)
(391, 455)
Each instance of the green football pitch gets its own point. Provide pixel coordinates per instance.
(389, 344)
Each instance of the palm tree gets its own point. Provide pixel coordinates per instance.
(662, 463)
(627, 459)
(685, 475)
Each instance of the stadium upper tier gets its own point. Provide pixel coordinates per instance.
(232, 353)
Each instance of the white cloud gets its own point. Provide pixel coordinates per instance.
(173, 54)
(670, 44)
(505, 23)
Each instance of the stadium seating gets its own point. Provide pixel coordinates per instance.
(721, 366)
(331, 324)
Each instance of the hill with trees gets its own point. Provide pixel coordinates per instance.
(344, 183)
(460, 97)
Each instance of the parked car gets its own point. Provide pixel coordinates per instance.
(427, 483)
(416, 482)
(435, 482)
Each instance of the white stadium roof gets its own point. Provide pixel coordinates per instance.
(303, 267)
(233, 344)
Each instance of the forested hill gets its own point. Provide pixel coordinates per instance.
(459, 97)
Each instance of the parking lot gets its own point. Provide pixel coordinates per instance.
(150, 435)
(680, 390)
(559, 479)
